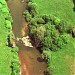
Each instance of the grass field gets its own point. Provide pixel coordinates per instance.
(61, 61)
(61, 8)
(5, 51)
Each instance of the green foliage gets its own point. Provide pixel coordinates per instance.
(39, 21)
(27, 16)
(32, 22)
(3, 2)
(7, 54)
(32, 8)
(32, 29)
(64, 27)
(46, 54)
(0, 5)
(9, 18)
(8, 24)
(47, 41)
(57, 21)
(15, 64)
(15, 49)
(5, 10)
(65, 37)
(46, 18)
(40, 32)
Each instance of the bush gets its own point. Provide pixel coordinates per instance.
(64, 27)
(5, 10)
(27, 16)
(3, 2)
(32, 29)
(15, 64)
(33, 22)
(39, 21)
(8, 24)
(46, 54)
(40, 31)
(9, 18)
(65, 37)
(47, 41)
(46, 18)
(0, 5)
(57, 21)
(32, 8)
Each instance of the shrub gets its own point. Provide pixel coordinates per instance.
(47, 41)
(3, 2)
(32, 22)
(40, 32)
(46, 18)
(39, 21)
(27, 16)
(65, 37)
(32, 8)
(5, 10)
(32, 29)
(9, 18)
(0, 5)
(57, 21)
(46, 54)
(64, 27)
(8, 24)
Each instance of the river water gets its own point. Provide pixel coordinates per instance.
(30, 65)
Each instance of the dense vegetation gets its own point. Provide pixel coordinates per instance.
(53, 35)
(9, 64)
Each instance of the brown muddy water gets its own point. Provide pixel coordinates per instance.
(29, 57)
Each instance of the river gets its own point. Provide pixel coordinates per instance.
(29, 57)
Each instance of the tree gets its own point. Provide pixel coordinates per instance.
(47, 41)
(32, 8)
(32, 29)
(40, 32)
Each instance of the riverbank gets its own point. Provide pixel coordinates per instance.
(28, 56)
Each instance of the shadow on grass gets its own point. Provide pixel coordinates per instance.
(74, 5)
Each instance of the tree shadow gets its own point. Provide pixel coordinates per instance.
(74, 5)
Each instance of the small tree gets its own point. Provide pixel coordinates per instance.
(40, 32)
(32, 8)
